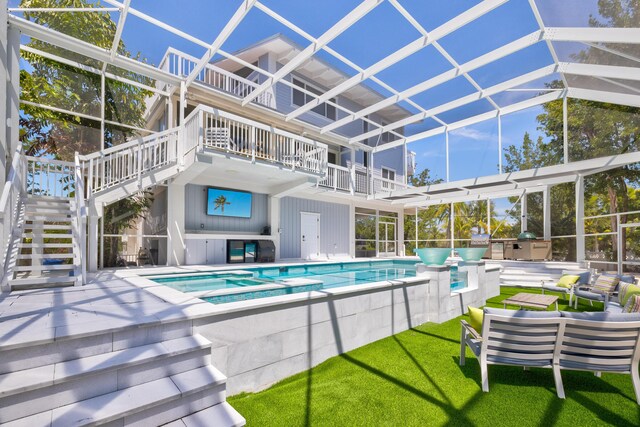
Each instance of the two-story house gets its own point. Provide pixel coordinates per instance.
(307, 184)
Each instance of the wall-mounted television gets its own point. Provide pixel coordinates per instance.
(223, 202)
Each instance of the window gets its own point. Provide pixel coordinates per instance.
(300, 98)
(332, 158)
(389, 175)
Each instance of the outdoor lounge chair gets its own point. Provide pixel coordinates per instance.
(516, 338)
(585, 276)
(591, 294)
(215, 137)
(602, 342)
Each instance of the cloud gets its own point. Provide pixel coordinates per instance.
(475, 134)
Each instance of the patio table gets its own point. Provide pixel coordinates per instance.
(527, 300)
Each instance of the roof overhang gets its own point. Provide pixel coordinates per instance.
(504, 185)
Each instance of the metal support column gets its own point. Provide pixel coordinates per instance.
(565, 129)
(546, 213)
(580, 244)
(523, 213)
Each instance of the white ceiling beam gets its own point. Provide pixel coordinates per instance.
(61, 9)
(593, 34)
(231, 25)
(465, 100)
(438, 47)
(336, 55)
(471, 65)
(550, 47)
(594, 70)
(120, 28)
(602, 96)
(347, 21)
(91, 69)
(538, 100)
(453, 24)
(73, 44)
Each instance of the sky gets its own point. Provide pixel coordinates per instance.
(474, 149)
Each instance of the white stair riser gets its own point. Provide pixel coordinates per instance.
(92, 385)
(60, 351)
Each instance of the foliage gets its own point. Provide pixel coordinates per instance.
(49, 133)
(69, 88)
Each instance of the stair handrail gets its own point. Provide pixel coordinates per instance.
(80, 224)
(10, 210)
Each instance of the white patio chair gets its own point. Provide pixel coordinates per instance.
(215, 137)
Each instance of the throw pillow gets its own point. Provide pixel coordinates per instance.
(632, 305)
(567, 281)
(605, 284)
(626, 291)
(476, 316)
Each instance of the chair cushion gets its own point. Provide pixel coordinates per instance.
(475, 346)
(476, 316)
(555, 288)
(589, 295)
(626, 290)
(585, 276)
(627, 278)
(567, 281)
(632, 305)
(605, 284)
(599, 316)
(522, 313)
(614, 307)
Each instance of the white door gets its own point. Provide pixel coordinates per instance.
(309, 235)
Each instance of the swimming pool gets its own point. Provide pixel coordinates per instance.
(258, 282)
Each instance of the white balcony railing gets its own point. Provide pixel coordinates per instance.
(182, 64)
(116, 165)
(338, 178)
(218, 130)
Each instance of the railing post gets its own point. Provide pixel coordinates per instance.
(253, 144)
(335, 178)
(201, 130)
(292, 150)
(139, 162)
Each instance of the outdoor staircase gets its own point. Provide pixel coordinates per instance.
(47, 250)
(532, 274)
(150, 375)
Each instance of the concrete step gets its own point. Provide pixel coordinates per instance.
(25, 393)
(220, 415)
(40, 282)
(46, 256)
(45, 245)
(148, 400)
(47, 235)
(37, 228)
(37, 198)
(80, 340)
(54, 267)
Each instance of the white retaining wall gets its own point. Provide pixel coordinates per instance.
(260, 342)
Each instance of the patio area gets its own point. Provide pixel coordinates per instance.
(413, 378)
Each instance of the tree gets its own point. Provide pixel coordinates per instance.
(57, 134)
(220, 202)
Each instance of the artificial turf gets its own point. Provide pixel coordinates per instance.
(413, 378)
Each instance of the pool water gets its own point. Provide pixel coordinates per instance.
(259, 282)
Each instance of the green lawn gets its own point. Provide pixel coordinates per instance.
(413, 379)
